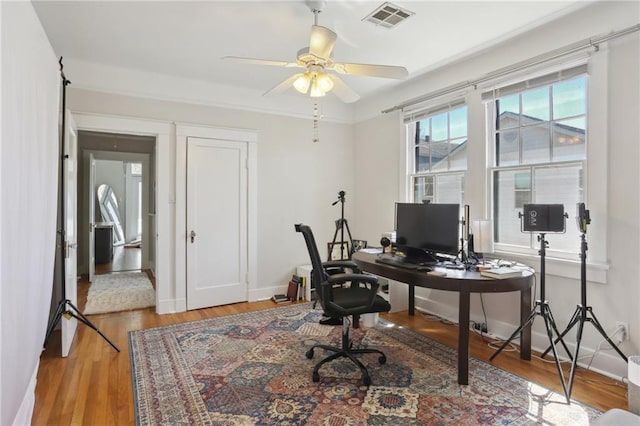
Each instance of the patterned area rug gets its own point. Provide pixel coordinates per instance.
(119, 292)
(251, 369)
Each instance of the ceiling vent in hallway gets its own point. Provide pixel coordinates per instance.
(388, 15)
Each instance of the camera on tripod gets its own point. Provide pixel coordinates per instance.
(341, 225)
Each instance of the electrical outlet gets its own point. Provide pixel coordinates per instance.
(480, 327)
(622, 331)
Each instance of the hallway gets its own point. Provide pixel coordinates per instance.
(125, 258)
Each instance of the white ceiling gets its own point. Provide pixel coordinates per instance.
(188, 39)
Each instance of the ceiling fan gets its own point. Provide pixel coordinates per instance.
(317, 61)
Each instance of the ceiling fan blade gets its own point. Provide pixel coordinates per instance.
(341, 90)
(322, 41)
(258, 61)
(384, 71)
(281, 87)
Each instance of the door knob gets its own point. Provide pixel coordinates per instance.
(192, 234)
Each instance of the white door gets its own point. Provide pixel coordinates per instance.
(92, 215)
(216, 222)
(70, 184)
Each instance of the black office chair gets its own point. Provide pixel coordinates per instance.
(341, 296)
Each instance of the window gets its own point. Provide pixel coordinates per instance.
(438, 152)
(539, 156)
(136, 169)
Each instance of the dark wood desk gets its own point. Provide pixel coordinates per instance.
(465, 283)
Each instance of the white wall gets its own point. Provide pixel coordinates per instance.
(617, 72)
(28, 197)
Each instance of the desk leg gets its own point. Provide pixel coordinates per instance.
(463, 338)
(412, 299)
(525, 335)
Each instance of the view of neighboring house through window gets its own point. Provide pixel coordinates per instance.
(539, 148)
(439, 155)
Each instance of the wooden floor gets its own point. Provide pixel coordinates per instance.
(93, 385)
(124, 259)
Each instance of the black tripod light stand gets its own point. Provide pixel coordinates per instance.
(341, 224)
(543, 309)
(65, 307)
(583, 313)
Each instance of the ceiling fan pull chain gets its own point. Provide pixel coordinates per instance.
(316, 122)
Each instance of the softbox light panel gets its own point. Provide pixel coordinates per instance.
(543, 218)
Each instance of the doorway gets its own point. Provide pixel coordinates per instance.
(116, 199)
(120, 202)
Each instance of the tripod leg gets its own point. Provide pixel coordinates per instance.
(572, 322)
(80, 317)
(529, 321)
(54, 321)
(546, 314)
(598, 327)
(552, 322)
(574, 362)
(346, 225)
(335, 236)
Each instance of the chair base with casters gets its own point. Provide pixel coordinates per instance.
(343, 295)
(346, 351)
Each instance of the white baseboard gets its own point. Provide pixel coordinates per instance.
(171, 306)
(266, 293)
(25, 412)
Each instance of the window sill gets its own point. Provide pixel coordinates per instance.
(596, 272)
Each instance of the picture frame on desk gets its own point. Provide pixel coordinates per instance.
(359, 245)
(335, 253)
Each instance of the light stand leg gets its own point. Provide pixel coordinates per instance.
(598, 327)
(552, 322)
(549, 325)
(542, 308)
(577, 316)
(528, 322)
(54, 321)
(582, 314)
(75, 313)
(574, 363)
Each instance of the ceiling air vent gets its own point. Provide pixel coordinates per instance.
(388, 15)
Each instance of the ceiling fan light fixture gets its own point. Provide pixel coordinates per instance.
(316, 89)
(325, 83)
(302, 83)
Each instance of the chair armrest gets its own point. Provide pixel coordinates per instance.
(360, 278)
(355, 280)
(349, 264)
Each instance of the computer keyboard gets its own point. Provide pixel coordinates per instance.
(401, 263)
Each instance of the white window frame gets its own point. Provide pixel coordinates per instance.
(595, 171)
(410, 120)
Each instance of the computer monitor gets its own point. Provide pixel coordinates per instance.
(424, 230)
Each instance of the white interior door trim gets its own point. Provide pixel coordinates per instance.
(70, 187)
(91, 163)
(165, 195)
(238, 135)
(133, 157)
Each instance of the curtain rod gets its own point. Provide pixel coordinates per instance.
(536, 60)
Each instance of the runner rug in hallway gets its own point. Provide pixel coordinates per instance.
(251, 369)
(119, 292)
